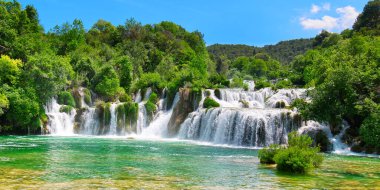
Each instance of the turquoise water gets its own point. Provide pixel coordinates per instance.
(46, 162)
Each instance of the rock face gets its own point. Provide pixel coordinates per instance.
(320, 138)
(188, 102)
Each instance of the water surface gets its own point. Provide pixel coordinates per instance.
(46, 162)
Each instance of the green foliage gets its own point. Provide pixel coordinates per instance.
(262, 83)
(66, 109)
(283, 51)
(87, 96)
(299, 157)
(150, 105)
(66, 98)
(147, 80)
(368, 22)
(370, 130)
(48, 74)
(210, 103)
(267, 154)
(106, 82)
(125, 72)
(4, 103)
(10, 70)
(283, 84)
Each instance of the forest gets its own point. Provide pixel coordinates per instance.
(341, 71)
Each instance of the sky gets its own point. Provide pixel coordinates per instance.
(251, 22)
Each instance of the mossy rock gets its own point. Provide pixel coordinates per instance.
(66, 98)
(66, 109)
(218, 94)
(207, 93)
(210, 103)
(87, 96)
(245, 103)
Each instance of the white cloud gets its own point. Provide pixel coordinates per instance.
(326, 22)
(315, 8)
(346, 18)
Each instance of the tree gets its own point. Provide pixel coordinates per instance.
(10, 70)
(369, 20)
(106, 82)
(48, 74)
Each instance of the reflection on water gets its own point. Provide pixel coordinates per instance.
(93, 163)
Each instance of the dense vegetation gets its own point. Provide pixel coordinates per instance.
(113, 62)
(344, 69)
(283, 51)
(297, 157)
(110, 61)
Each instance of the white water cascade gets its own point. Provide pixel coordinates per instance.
(158, 127)
(60, 123)
(245, 118)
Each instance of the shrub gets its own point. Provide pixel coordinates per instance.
(210, 103)
(217, 93)
(283, 84)
(66, 98)
(297, 160)
(267, 154)
(262, 83)
(299, 157)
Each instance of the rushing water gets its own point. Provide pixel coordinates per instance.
(46, 162)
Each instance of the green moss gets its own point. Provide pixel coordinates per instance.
(150, 107)
(217, 93)
(66, 109)
(66, 98)
(208, 93)
(210, 103)
(87, 96)
(129, 111)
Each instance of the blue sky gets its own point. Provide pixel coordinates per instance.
(252, 22)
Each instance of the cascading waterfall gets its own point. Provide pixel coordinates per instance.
(245, 118)
(253, 118)
(158, 127)
(113, 123)
(240, 127)
(60, 123)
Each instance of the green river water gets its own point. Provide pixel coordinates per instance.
(46, 162)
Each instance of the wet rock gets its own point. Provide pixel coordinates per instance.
(188, 102)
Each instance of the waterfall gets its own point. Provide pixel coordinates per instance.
(240, 127)
(245, 118)
(158, 127)
(113, 123)
(90, 122)
(339, 146)
(60, 123)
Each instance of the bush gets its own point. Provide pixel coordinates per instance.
(262, 83)
(210, 103)
(299, 157)
(267, 154)
(297, 160)
(370, 130)
(283, 84)
(66, 98)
